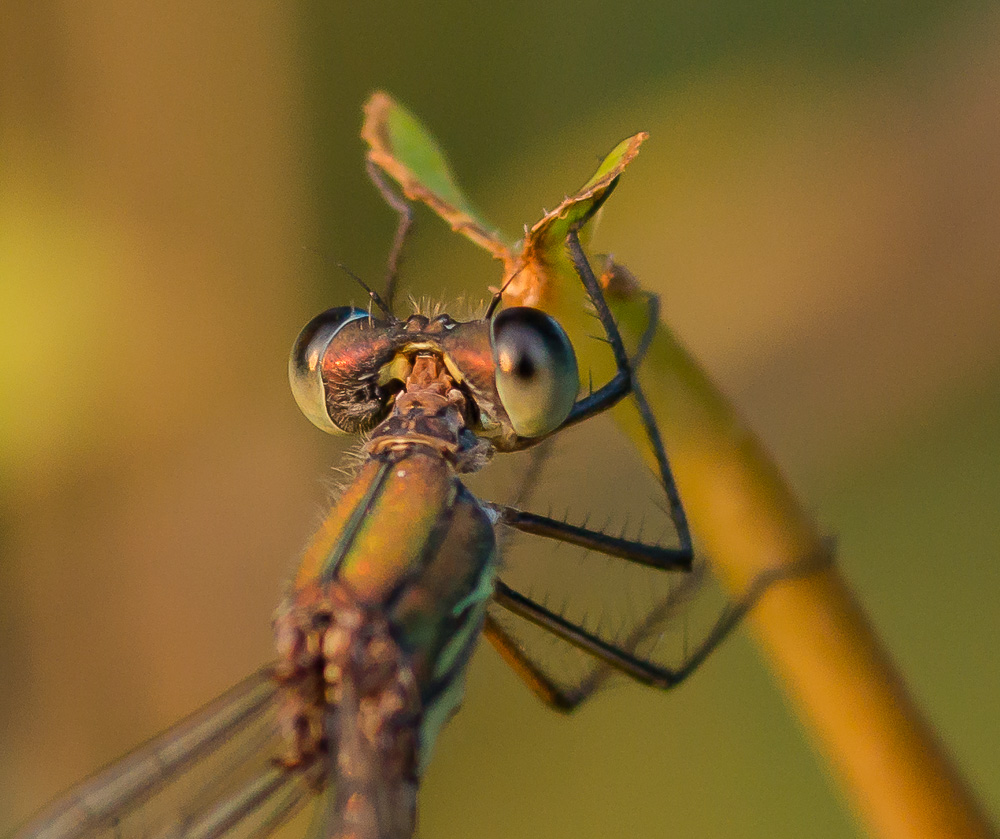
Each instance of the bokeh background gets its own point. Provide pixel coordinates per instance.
(819, 207)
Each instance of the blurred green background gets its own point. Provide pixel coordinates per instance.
(819, 207)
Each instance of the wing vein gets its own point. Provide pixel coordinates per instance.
(123, 785)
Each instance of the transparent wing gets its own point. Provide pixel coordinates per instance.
(212, 775)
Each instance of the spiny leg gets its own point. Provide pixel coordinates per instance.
(405, 212)
(642, 553)
(652, 431)
(621, 658)
(530, 670)
(567, 699)
(532, 673)
(622, 383)
(732, 615)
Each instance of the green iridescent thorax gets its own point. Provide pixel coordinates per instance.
(411, 543)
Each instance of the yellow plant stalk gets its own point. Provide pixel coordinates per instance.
(817, 637)
(840, 679)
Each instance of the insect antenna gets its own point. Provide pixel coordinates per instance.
(498, 294)
(374, 295)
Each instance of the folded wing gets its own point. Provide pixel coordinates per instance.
(212, 775)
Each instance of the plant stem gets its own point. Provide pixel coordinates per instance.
(815, 634)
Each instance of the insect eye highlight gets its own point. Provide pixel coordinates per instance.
(305, 363)
(535, 369)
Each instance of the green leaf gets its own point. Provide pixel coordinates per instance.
(543, 261)
(408, 153)
(549, 234)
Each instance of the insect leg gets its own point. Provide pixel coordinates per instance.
(527, 669)
(621, 383)
(674, 504)
(567, 698)
(405, 213)
(624, 364)
(642, 553)
(532, 674)
(625, 382)
(621, 657)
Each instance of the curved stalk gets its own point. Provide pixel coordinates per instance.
(815, 634)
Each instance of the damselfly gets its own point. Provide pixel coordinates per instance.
(392, 593)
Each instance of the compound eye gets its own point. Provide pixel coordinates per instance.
(536, 373)
(305, 363)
